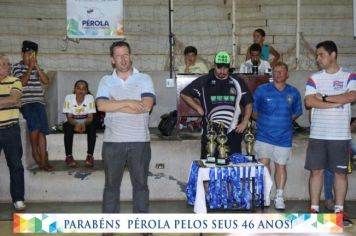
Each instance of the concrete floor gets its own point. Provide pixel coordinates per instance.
(6, 210)
(179, 206)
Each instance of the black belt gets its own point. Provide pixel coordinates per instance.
(8, 126)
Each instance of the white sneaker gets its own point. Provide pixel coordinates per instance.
(279, 203)
(19, 205)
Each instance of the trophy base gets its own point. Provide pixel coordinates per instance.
(222, 162)
(210, 159)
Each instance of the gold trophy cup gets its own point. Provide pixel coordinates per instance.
(211, 145)
(223, 149)
(249, 139)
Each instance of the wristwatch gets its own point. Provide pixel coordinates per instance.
(324, 96)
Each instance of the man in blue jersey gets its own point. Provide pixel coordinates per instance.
(276, 105)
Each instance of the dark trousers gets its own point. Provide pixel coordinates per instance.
(136, 156)
(69, 133)
(10, 142)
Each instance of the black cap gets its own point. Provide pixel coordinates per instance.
(29, 46)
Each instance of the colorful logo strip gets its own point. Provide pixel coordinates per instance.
(35, 223)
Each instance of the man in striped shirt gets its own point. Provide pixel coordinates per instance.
(328, 94)
(10, 137)
(127, 96)
(33, 109)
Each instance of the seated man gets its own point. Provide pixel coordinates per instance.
(255, 55)
(191, 65)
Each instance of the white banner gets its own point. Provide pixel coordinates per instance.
(95, 19)
(178, 223)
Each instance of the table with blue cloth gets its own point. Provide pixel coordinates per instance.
(243, 184)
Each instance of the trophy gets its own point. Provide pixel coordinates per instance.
(222, 148)
(211, 145)
(249, 139)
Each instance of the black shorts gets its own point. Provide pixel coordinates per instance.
(328, 154)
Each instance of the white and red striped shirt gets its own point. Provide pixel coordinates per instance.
(332, 123)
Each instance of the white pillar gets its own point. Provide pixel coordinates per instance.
(297, 48)
(234, 43)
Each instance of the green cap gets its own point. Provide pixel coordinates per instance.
(222, 58)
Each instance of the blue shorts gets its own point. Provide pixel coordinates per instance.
(36, 117)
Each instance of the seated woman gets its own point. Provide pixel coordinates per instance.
(79, 109)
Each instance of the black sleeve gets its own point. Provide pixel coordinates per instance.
(195, 87)
(246, 97)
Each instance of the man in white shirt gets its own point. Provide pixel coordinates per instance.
(255, 55)
(127, 96)
(329, 94)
